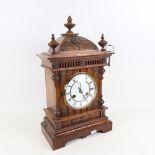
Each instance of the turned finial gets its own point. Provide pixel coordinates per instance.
(53, 44)
(69, 24)
(102, 43)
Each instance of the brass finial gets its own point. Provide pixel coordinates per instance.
(102, 43)
(69, 24)
(53, 43)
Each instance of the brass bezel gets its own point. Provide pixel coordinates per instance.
(65, 101)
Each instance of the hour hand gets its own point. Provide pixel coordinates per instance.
(80, 90)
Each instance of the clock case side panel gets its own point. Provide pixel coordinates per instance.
(52, 80)
(50, 90)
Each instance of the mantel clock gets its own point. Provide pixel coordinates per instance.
(74, 68)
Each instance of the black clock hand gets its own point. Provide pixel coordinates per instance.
(80, 90)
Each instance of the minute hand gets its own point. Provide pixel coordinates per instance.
(80, 91)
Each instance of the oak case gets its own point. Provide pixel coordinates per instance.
(65, 59)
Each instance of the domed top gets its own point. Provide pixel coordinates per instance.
(70, 41)
(74, 42)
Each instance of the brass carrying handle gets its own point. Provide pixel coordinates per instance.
(109, 51)
(110, 46)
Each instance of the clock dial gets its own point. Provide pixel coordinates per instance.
(80, 91)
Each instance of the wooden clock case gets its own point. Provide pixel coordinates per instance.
(68, 55)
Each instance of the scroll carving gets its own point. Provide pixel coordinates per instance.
(65, 112)
(100, 103)
(76, 41)
(96, 70)
(101, 71)
(55, 65)
(63, 74)
(56, 78)
(44, 124)
(57, 114)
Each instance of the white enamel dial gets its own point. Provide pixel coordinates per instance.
(80, 91)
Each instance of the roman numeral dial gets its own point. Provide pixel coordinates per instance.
(80, 91)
